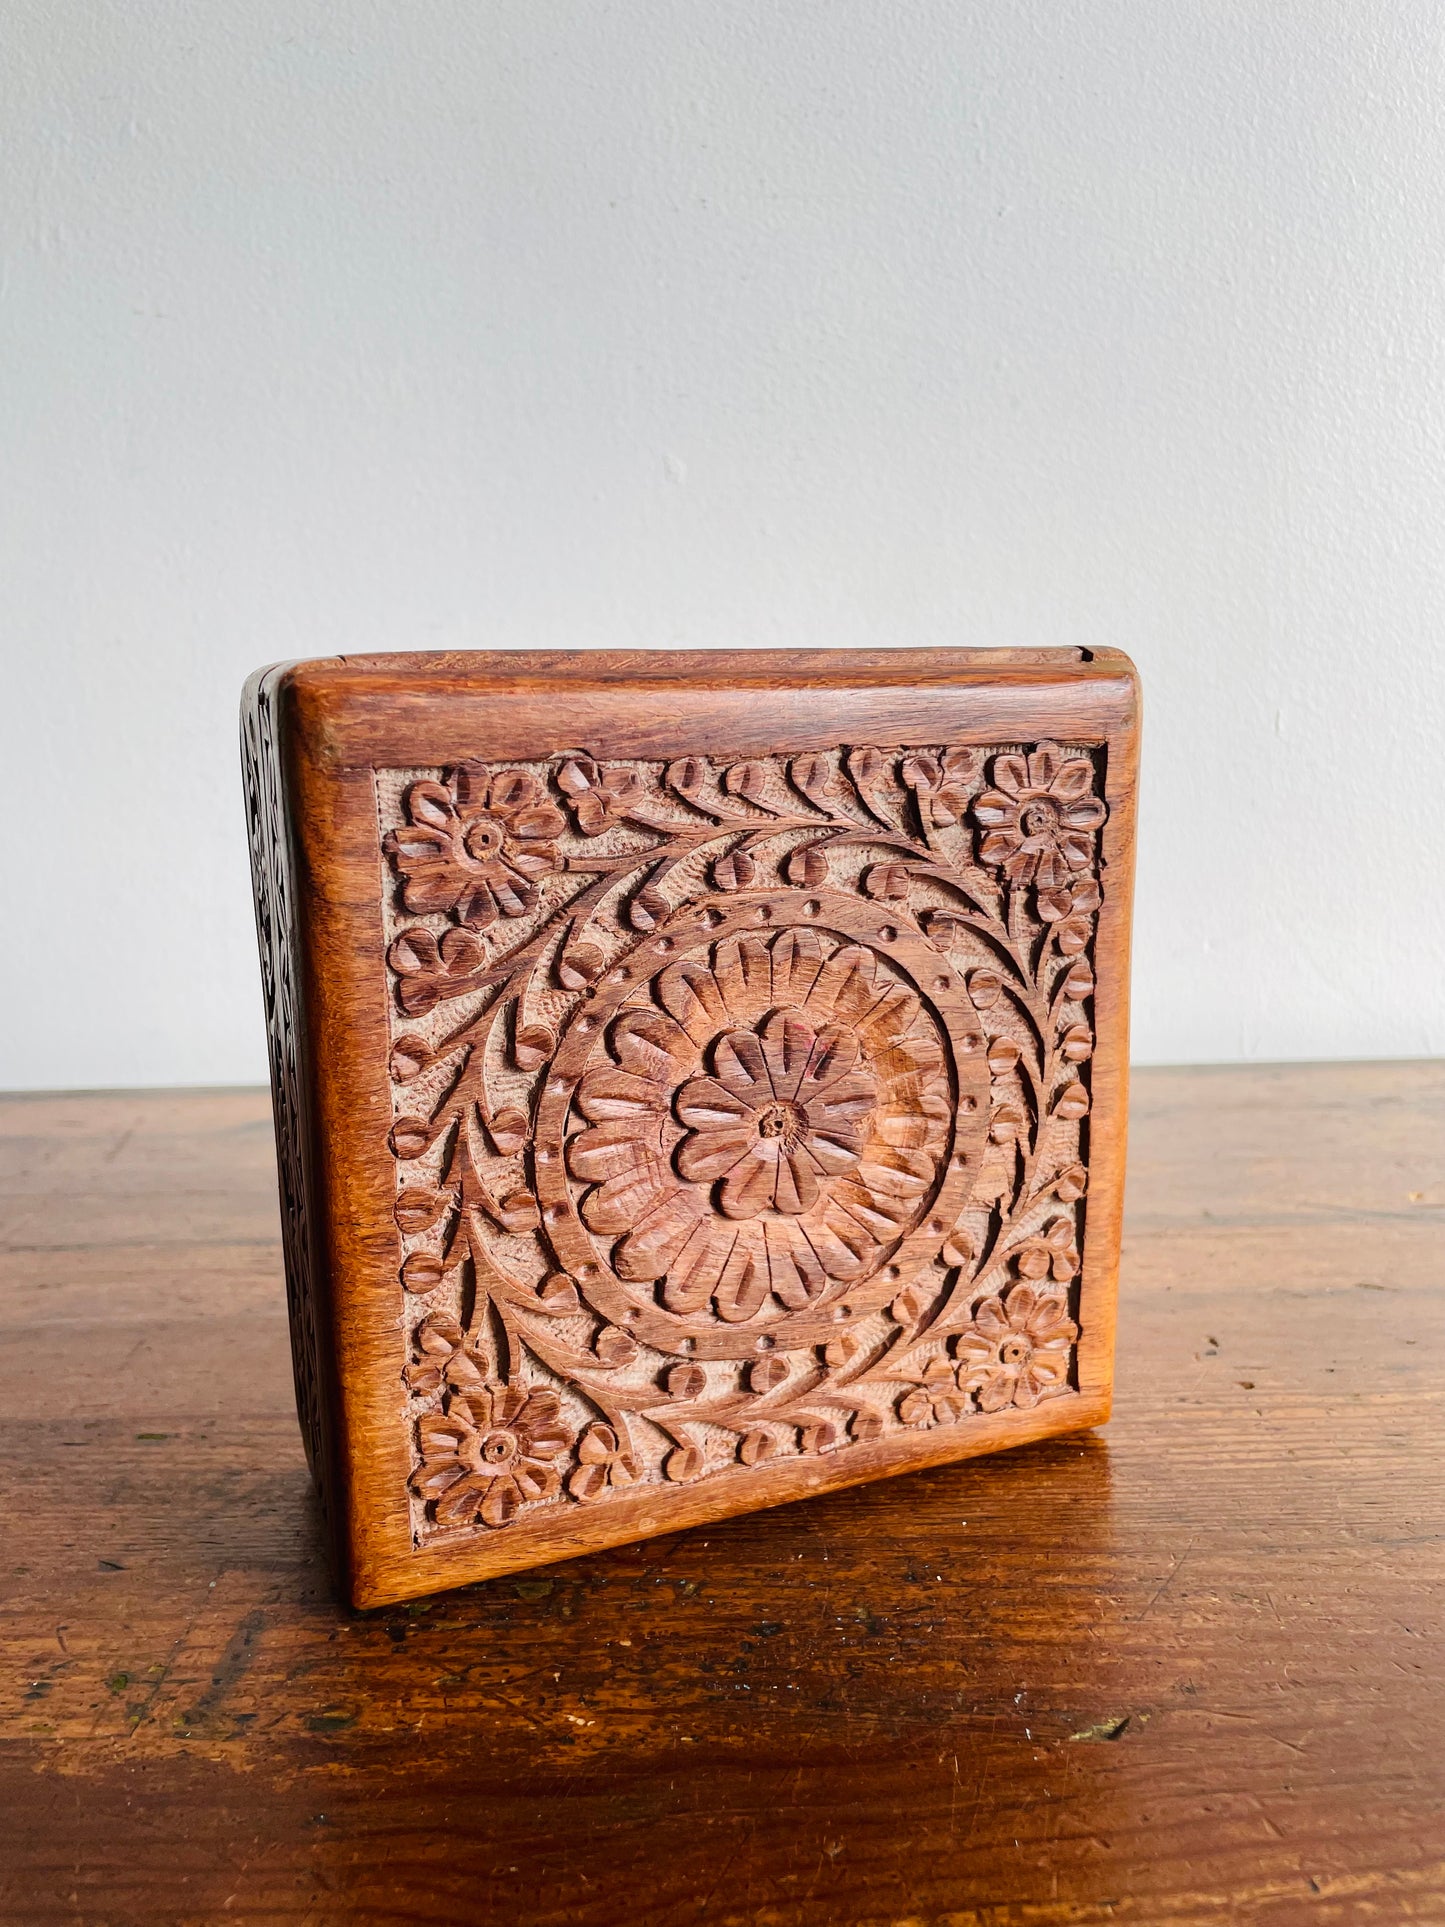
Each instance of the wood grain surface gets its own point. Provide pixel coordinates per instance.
(1184, 1670)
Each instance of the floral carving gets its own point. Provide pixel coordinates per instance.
(1052, 1254)
(445, 1357)
(599, 797)
(1039, 819)
(937, 1400)
(1016, 1351)
(489, 1453)
(475, 844)
(943, 783)
(738, 1155)
(603, 1465)
(756, 1133)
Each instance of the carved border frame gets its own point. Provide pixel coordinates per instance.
(341, 721)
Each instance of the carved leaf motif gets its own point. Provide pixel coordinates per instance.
(944, 927)
(460, 952)
(683, 1464)
(984, 988)
(410, 1056)
(921, 771)
(1072, 1101)
(1073, 936)
(532, 1046)
(417, 1209)
(868, 767)
(1003, 1055)
(1077, 1044)
(648, 908)
(589, 1484)
(887, 880)
(766, 1374)
(909, 1306)
(615, 1347)
(579, 965)
(806, 867)
(746, 779)
(421, 1272)
(688, 775)
(414, 953)
(958, 1248)
(558, 1296)
(508, 1131)
(685, 1381)
(410, 1137)
(518, 1212)
(813, 775)
(915, 1408)
(735, 871)
(1055, 904)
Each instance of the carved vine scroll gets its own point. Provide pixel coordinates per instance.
(739, 1109)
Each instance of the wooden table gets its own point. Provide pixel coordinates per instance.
(1185, 1670)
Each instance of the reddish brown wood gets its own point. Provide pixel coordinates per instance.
(888, 1704)
(695, 1113)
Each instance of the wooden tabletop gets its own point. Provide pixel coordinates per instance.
(1183, 1670)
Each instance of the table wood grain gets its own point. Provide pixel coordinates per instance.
(1183, 1670)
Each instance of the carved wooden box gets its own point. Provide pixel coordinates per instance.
(699, 1079)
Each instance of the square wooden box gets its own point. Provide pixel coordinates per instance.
(699, 1079)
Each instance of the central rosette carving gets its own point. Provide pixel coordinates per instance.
(769, 1124)
(785, 1109)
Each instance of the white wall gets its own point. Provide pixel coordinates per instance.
(332, 325)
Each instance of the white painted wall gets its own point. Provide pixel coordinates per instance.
(333, 325)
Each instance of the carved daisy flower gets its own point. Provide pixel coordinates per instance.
(490, 1452)
(476, 844)
(786, 1106)
(767, 1131)
(1039, 821)
(1016, 1351)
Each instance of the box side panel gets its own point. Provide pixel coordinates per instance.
(280, 939)
(1106, 1131)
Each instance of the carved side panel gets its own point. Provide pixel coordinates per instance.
(274, 893)
(739, 1111)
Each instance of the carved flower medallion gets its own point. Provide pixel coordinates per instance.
(1039, 819)
(475, 844)
(490, 1452)
(762, 1128)
(1016, 1351)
